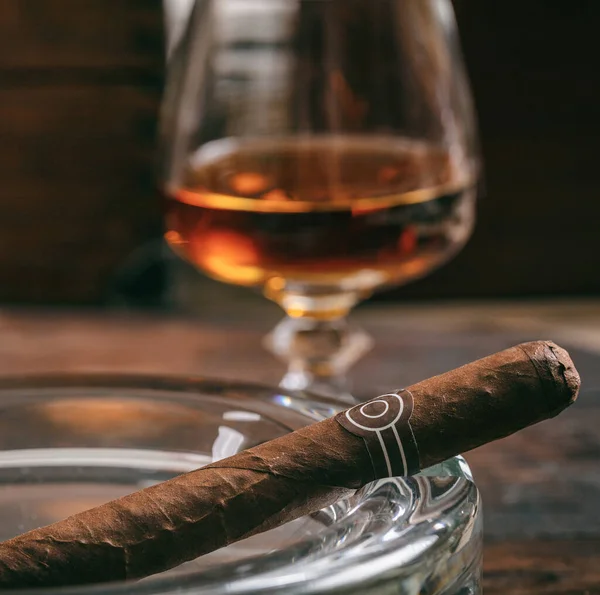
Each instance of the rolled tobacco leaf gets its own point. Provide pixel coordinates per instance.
(396, 434)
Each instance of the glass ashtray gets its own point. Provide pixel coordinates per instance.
(73, 442)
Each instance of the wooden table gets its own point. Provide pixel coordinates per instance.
(541, 488)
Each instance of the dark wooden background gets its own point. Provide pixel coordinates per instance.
(535, 72)
(80, 84)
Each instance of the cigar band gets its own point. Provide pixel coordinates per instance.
(384, 424)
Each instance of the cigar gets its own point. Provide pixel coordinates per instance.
(258, 489)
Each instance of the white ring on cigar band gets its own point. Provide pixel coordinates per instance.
(387, 408)
(391, 424)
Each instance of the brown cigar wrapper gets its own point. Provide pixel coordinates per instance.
(258, 489)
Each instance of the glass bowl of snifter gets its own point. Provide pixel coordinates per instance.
(319, 151)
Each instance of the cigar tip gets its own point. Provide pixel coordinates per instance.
(560, 367)
(567, 369)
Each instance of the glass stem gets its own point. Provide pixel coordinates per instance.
(318, 354)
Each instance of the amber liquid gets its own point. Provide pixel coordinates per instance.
(330, 212)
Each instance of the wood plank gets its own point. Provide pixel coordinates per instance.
(559, 567)
(77, 135)
(80, 85)
(78, 191)
(94, 34)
